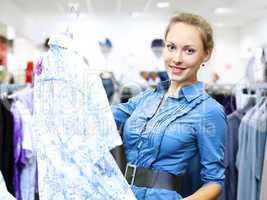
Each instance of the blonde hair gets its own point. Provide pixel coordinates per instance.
(195, 20)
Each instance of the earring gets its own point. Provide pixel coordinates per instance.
(203, 65)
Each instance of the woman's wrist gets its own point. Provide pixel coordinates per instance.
(188, 198)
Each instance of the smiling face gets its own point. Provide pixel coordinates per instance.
(184, 53)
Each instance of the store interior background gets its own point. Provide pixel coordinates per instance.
(240, 28)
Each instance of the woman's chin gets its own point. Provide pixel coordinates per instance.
(177, 78)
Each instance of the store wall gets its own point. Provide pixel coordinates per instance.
(127, 34)
(24, 51)
(12, 15)
(253, 36)
(226, 56)
(131, 37)
(134, 37)
(13, 21)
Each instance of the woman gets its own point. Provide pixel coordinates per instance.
(165, 127)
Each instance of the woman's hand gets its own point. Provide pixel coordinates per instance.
(189, 198)
(210, 191)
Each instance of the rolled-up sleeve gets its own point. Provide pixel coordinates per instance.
(210, 139)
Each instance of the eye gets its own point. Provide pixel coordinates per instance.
(190, 51)
(171, 47)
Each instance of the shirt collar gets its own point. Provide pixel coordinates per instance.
(190, 92)
(163, 86)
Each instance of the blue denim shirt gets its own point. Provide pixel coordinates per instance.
(165, 137)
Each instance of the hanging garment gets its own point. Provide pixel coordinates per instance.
(4, 195)
(250, 68)
(263, 193)
(256, 66)
(6, 144)
(17, 143)
(74, 130)
(227, 101)
(231, 146)
(250, 156)
(109, 84)
(25, 154)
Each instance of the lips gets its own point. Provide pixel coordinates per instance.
(177, 70)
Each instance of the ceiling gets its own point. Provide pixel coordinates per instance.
(242, 11)
(231, 13)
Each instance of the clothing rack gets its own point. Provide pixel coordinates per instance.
(5, 89)
(225, 89)
(251, 147)
(260, 89)
(16, 147)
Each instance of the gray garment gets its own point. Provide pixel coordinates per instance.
(252, 139)
(231, 146)
(263, 193)
(249, 73)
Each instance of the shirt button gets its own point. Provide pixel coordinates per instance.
(139, 144)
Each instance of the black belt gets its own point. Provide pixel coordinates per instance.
(143, 177)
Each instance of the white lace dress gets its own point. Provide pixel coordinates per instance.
(74, 130)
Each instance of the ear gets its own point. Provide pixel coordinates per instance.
(208, 55)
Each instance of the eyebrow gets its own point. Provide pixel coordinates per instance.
(191, 46)
(170, 42)
(186, 46)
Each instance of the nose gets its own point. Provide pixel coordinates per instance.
(177, 57)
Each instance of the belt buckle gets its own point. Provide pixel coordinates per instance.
(130, 167)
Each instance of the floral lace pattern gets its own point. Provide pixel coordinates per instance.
(74, 130)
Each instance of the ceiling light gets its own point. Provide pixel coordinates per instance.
(73, 6)
(222, 11)
(219, 24)
(163, 4)
(136, 14)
